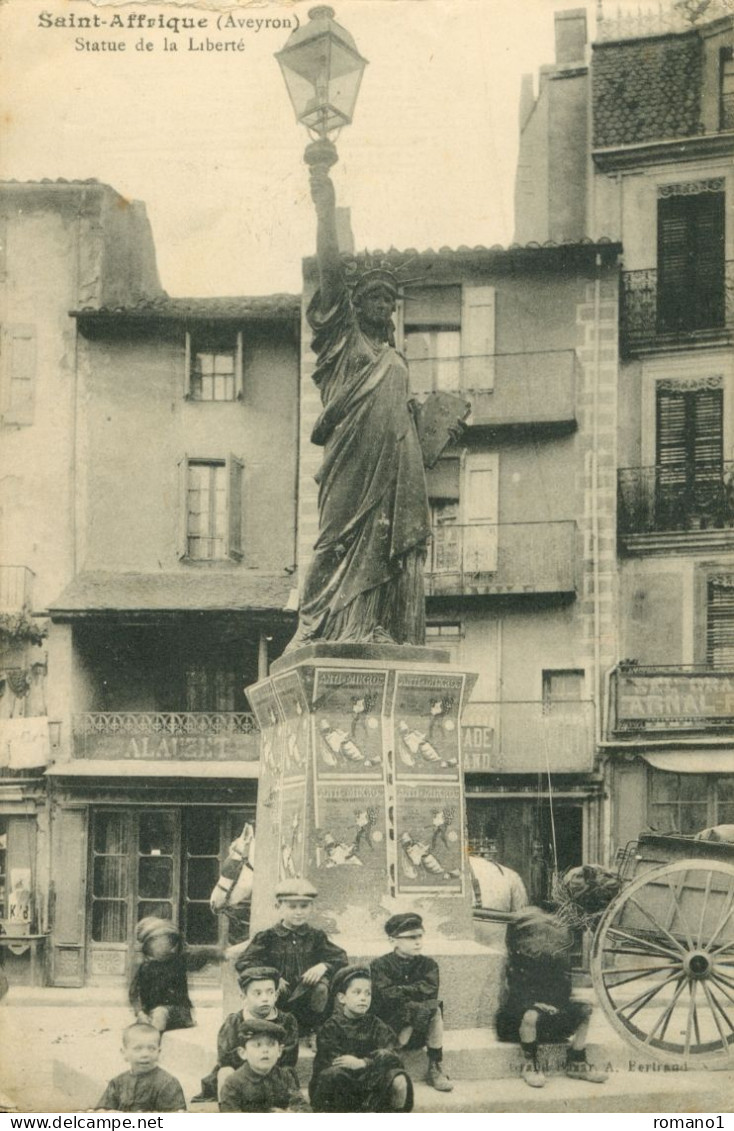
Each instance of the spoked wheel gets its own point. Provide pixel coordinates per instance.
(663, 962)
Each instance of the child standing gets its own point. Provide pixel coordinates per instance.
(259, 989)
(159, 992)
(145, 1086)
(304, 956)
(405, 984)
(261, 1083)
(356, 1067)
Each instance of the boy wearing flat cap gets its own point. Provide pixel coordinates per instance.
(259, 989)
(159, 992)
(261, 1084)
(356, 1067)
(304, 956)
(405, 984)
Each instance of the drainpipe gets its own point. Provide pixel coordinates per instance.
(595, 506)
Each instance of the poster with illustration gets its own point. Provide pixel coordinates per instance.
(427, 732)
(347, 713)
(429, 838)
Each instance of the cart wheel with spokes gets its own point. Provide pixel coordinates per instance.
(663, 962)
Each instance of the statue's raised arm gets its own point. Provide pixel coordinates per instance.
(331, 273)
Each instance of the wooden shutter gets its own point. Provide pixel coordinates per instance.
(479, 506)
(69, 874)
(187, 366)
(477, 337)
(720, 622)
(234, 506)
(689, 449)
(19, 375)
(690, 261)
(182, 514)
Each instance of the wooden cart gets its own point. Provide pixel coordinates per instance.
(663, 952)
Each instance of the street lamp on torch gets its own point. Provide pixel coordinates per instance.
(323, 70)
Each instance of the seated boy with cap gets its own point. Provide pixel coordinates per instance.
(259, 989)
(159, 992)
(405, 984)
(356, 1067)
(261, 1084)
(304, 956)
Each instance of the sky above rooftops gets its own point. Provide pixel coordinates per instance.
(209, 142)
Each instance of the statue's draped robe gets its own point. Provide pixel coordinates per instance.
(368, 563)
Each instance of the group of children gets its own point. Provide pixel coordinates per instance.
(295, 983)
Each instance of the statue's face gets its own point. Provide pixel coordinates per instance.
(375, 308)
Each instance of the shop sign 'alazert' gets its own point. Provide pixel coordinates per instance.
(673, 701)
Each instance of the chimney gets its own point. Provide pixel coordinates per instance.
(571, 36)
(344, 234)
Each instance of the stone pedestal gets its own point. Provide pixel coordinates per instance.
(361, 790)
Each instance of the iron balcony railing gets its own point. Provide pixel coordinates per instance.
(528, 737)
(207, 735)
(15, 588)
(506, 557)
(674, 497)
(533, 387)
(655, 315)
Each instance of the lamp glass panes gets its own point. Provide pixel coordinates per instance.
(322, 70)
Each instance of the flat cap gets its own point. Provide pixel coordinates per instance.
(257, 974)
(347, 974)
(253, 1027)
(297, 888)
(151, 925)
(404, 924)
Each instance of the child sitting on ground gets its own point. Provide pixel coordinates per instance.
(304, 956)
(405, 987)
(261, 1083)
(356, 1067)
(538, 1007)
(145, 1086)
(159, 992)
(259, 989)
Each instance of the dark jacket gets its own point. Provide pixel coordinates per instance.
(150, 1091)
(334, 1089)
(405, 991)
(292, 953)
(228, 1040)
(244, 1090)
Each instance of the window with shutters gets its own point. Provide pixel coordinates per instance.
(688, 803)
(213, 365)
(689, 480)
(212, 503)
(720, 621)
(447, 334)
(691, 264)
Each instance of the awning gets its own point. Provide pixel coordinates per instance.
(237, 590)
(699, 761)
(134, 768)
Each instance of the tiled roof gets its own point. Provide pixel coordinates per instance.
(190, 590)
(184, 309)
(646, 89)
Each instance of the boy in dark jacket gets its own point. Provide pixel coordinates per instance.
(261, 1084)
(159, 991)
(259, 989)
(145, 1086)
(356, 1067)
(538, 1007)
(405, 986)
(304, 956)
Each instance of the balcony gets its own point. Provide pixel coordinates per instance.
(528, 737)
(506, 390)
(671, 701)
(179, 735)
(671, 506)
(652, 320)
(16, 584)
(502, 558)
